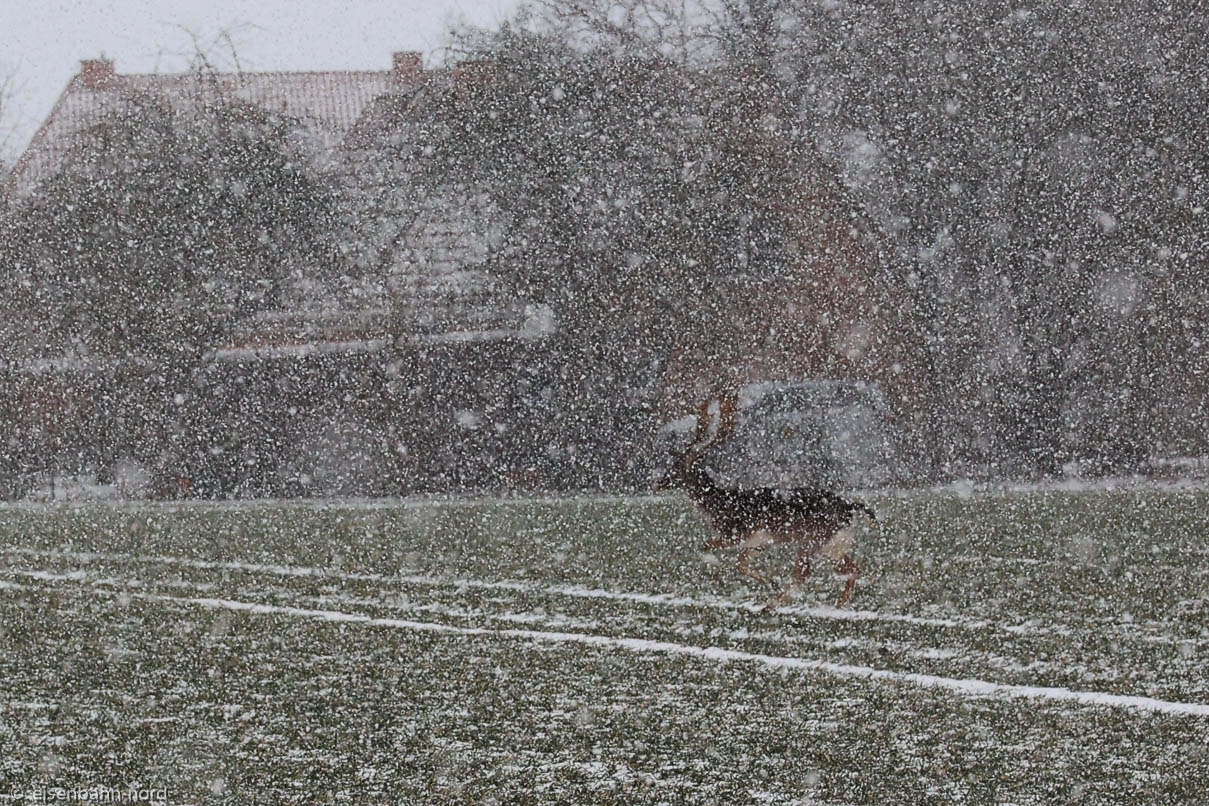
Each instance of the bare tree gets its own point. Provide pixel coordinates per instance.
(170, 218)
(7, 82)
(1039, 248)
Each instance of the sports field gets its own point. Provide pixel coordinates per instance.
(1015, 648)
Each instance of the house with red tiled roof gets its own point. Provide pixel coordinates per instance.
(468, 340)
(329, 102)
(394, 361)
(424, 282)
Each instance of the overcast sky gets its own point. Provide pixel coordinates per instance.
(42, 41)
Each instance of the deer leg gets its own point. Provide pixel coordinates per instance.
(801, 570)
(847, 566)
(744, 558)
(713, 544)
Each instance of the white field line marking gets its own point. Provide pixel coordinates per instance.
(328, 600)
(578, 591)
(965, 687)
(351, 503)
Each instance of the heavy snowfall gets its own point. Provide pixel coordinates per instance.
(487, 428)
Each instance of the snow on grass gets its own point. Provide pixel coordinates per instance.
(963, 687)
(1035, 626)
(1025, 648)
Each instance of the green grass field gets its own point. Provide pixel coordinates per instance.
(1018, 648)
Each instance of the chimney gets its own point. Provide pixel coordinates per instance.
(96, 74)
(469, 76)
(408, 66)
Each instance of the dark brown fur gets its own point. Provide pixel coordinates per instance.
(809, 518)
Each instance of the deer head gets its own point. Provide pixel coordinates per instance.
(684, 471)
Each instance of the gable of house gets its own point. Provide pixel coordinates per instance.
(426, 283)
(329, 102)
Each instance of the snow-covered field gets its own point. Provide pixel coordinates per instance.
(1017, 647)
